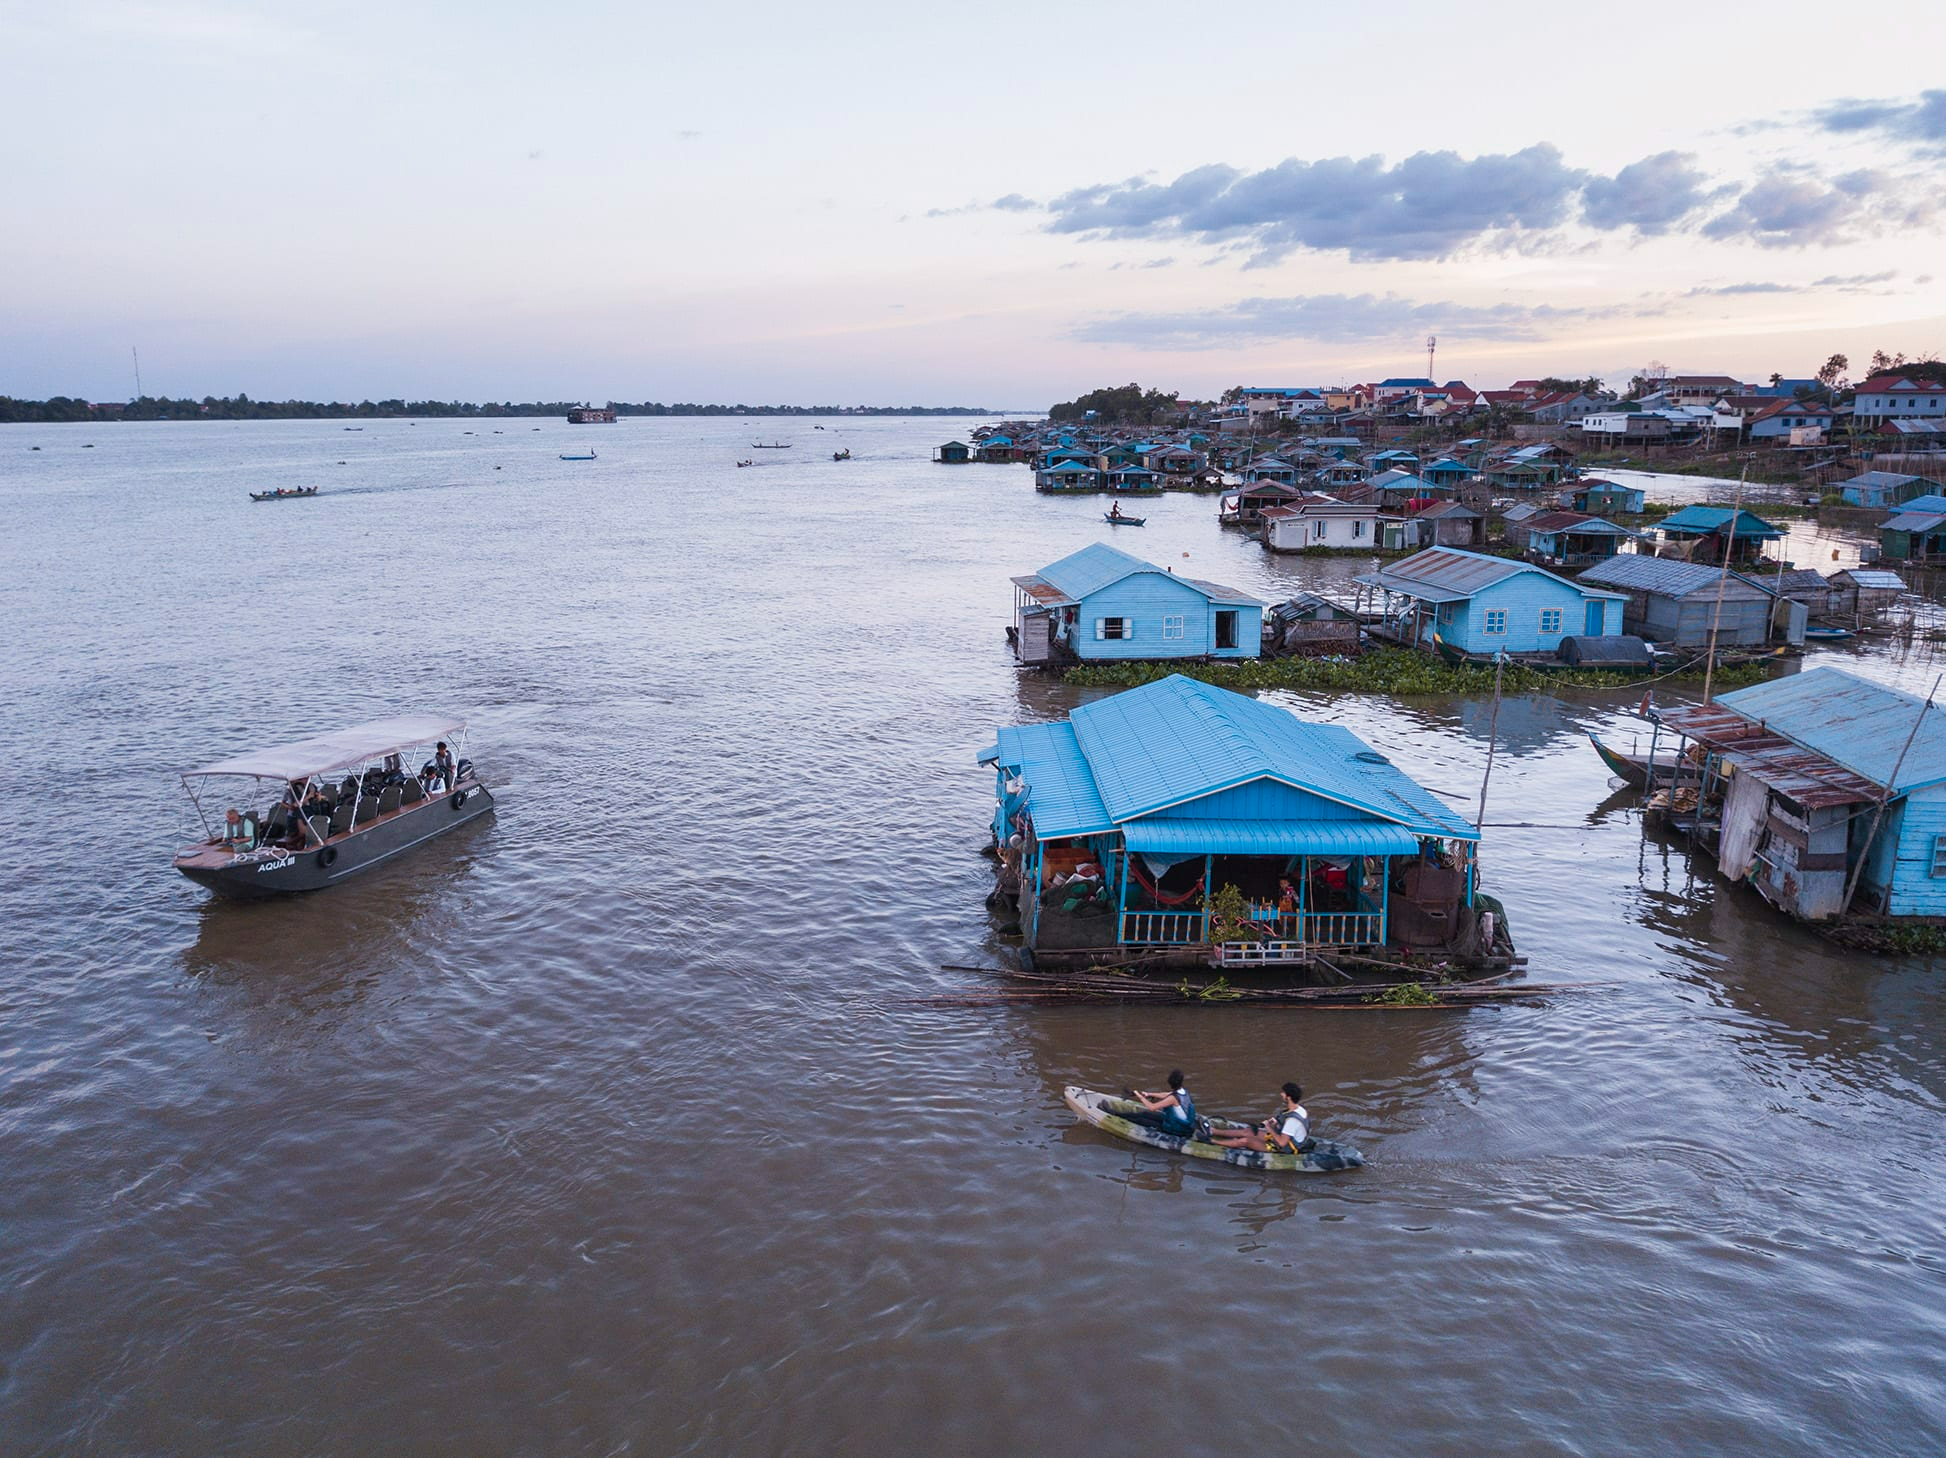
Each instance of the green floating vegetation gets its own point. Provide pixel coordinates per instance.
(1406, 994)
(1397, 671)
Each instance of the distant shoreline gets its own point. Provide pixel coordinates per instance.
(63, 410)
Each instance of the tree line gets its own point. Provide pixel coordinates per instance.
(241, 407)
(1119, 405)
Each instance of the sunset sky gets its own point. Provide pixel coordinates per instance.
(1003, 205)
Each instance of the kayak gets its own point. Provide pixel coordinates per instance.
(1105, 1111)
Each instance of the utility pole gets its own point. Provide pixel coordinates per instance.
(136, 354)
(1432, 343)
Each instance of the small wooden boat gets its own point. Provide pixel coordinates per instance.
(588, 457)
(1105, 1111)
(843, 455)
(757, 445)
(1114, 520)
(742, 464)
(286, 494)
(1630, 768)
(1827, 635)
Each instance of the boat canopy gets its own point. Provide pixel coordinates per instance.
(335, 751)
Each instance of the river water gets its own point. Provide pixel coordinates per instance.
(615, 1124)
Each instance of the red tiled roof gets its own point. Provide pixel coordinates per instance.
(1887, 383)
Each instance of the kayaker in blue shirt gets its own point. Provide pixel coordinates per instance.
(1172, 1113)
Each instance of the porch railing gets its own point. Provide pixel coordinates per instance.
(1319, 928)
(1162, 928)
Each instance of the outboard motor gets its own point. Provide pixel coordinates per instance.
(463, 770)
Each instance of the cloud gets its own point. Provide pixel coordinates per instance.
(1336, 318)
(1921, 122)
(1796, 208)
(1430, 205)
(1841, 283)
(1652, 196)
(1013, 202)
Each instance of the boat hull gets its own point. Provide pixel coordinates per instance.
(271, 871)
(1106, 1112)
(1630, 768)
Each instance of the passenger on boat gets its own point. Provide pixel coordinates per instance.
(1115, 510)
(1287, 1132)
(443, 758)
(1172, 1113)
(239, 830)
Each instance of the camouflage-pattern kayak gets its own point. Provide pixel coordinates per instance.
(1105, 1111)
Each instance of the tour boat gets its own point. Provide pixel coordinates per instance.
(1106, 1112)
(362, 803)
(285, 493)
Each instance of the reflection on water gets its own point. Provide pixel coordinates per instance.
(616, 1124)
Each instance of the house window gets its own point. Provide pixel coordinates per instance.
(1494, 621)
(1357, 530)
(1114, 627)
(1550, 620)
(1939, 855)
(1172, 627)
(1317, 531)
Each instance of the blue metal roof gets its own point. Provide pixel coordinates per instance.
(1177, 740)
(1852, 721)
(1094, 567)
(1932, 501)
(1269, 838)
(1705, 520)
(1060, 790)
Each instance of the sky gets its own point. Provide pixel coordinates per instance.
(1001, 205)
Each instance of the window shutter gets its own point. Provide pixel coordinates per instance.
(1128, 627)
(1101, 629)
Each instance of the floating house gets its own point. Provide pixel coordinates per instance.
(1271, 468)
(953, 453)
(1674, 603)
(1308, 625)
(1823, 790)
(1245, 508)
(1102, 605)
(1598, 497)
(1885, 489)
(1080, 475)
(1481, 605)
(995, 450)
(1864, 592)
(1571, 538)
(1446, 472)
(1913, 535)
(1314, 521)
(1713, 536)
(1449, 524)
(1118, 826)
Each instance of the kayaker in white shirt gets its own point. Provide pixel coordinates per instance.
(1286, 1133)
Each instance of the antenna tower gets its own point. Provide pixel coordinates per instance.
(1432, 343)
(136, 355)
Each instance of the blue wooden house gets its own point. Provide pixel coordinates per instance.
(1116, 826)
(1271, 468)
(1599, 497)
(1802, 765)
(1885, 489)
(953, 453)
(1072, 475)
(1720, 533)
(1447, 472)
(1100, 604)
(1476, 604)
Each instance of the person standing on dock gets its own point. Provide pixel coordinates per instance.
(1172, 1113)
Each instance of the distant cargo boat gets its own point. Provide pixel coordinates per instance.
(591, 416)
(292, 826)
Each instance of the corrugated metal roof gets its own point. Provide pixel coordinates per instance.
(1092, 568)
(1446, 574)
(1812, 779)
(1270, 838)
(1706, 520)
(1060, 789)
(1178, 739)
(1912, 521)
(1851, 720)
(1666, 577)
(1043, 592)
(1873, 577)
(1931, 501)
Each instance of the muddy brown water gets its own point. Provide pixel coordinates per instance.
(613, 1125)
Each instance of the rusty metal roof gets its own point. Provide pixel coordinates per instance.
(1042, 591)
(1808, 777)
(1853, 721)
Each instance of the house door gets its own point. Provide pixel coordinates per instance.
(1226, 630)
(1596, 613)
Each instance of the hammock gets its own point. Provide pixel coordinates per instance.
(1158, 895)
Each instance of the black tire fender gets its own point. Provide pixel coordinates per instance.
(326, 857)
(459, 799)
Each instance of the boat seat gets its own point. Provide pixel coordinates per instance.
(389, 799)
(413, 792)
(320, 826)
(367, 812)
(341, 819)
